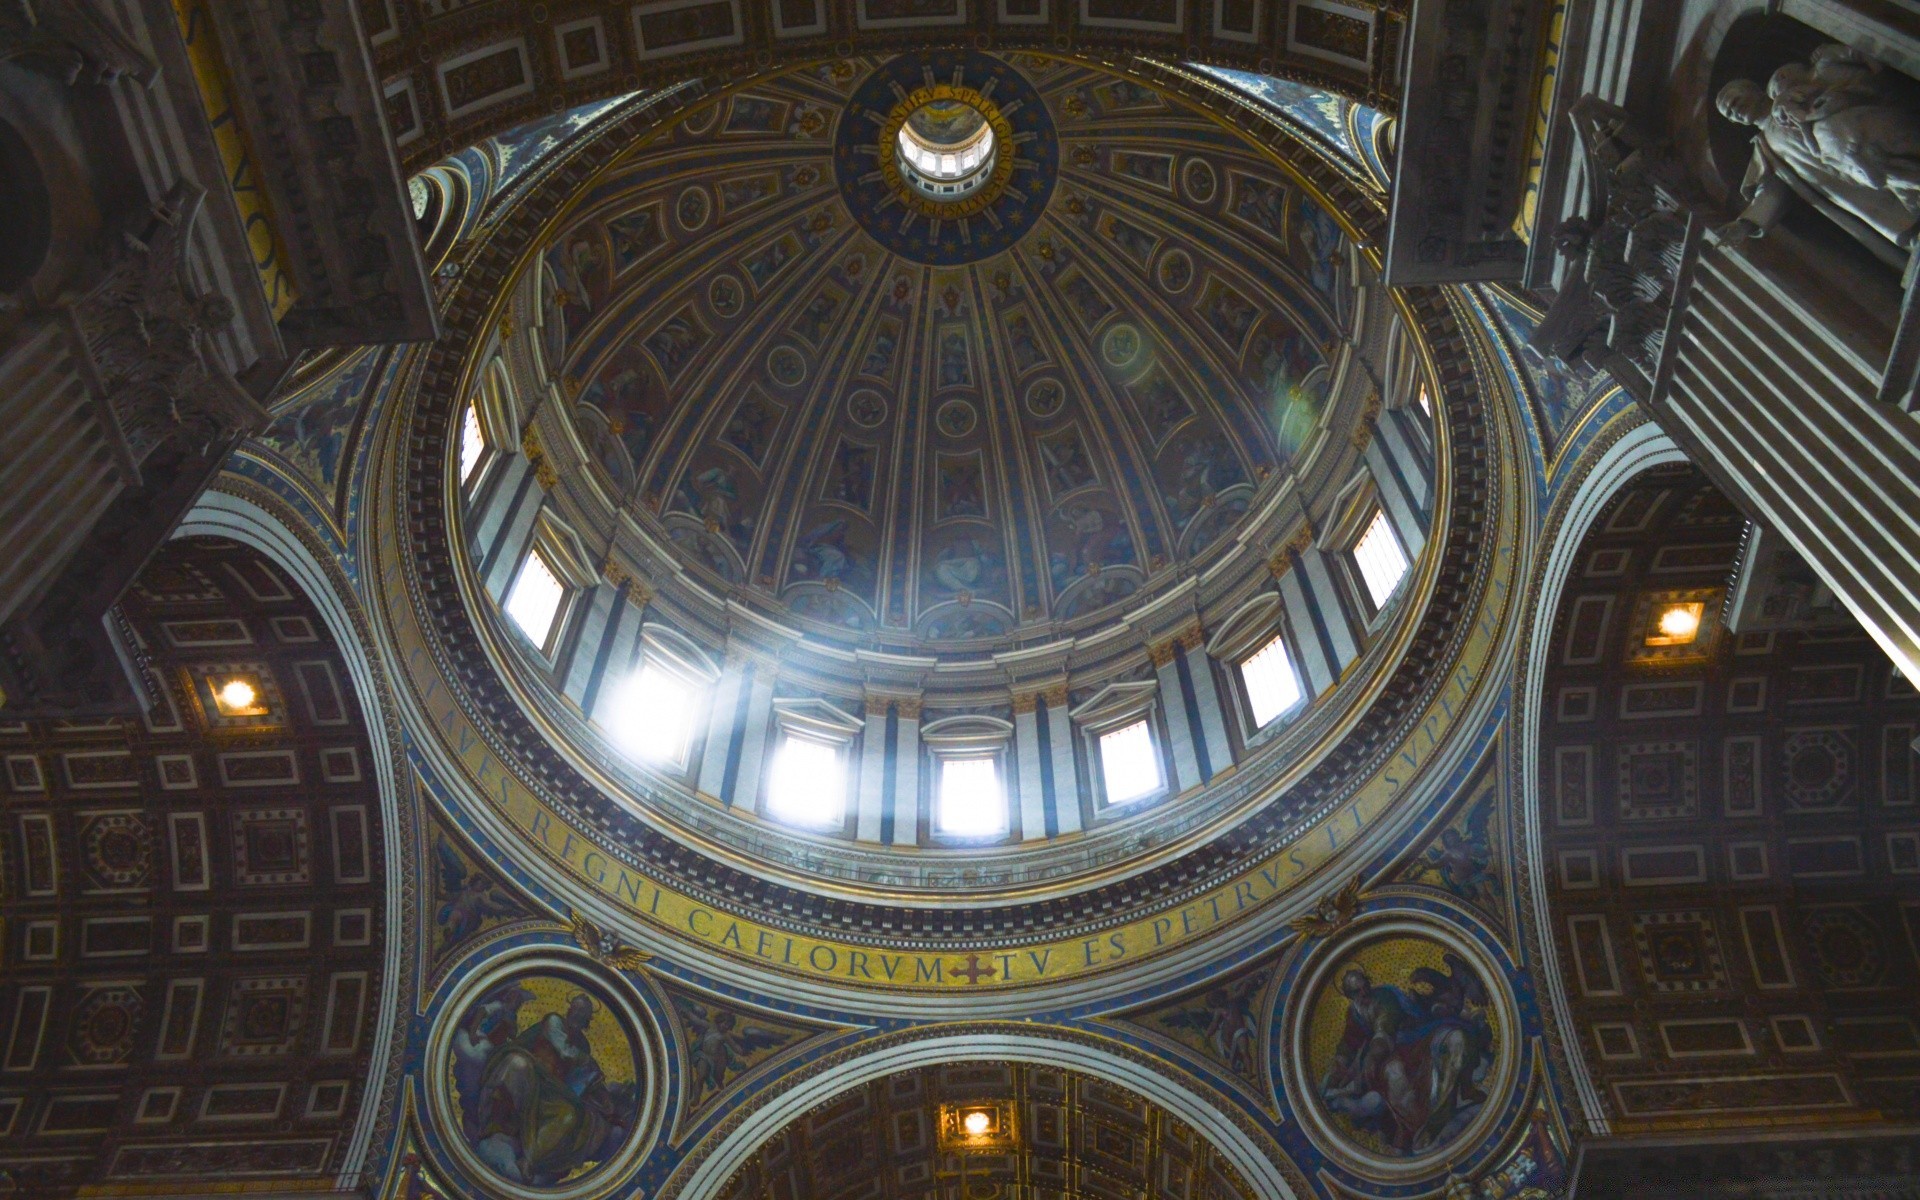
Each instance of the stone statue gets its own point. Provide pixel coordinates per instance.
(148, 333)
(1840, 133)
(1624, 255)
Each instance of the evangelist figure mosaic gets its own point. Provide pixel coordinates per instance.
(1403, 1038)
(543, 1076)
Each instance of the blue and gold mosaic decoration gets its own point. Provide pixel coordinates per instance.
(1021, 123)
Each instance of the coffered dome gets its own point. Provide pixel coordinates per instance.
(828, 533)
(899, 418)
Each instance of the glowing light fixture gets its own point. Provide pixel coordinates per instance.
(1677, 624)
(237, 695)
(978, 1127)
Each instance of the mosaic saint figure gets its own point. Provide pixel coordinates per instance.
(537, 1104)
(1411, 1060)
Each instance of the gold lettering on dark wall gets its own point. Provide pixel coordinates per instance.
(236, 156)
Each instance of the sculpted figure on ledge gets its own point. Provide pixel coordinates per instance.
(1842, 133)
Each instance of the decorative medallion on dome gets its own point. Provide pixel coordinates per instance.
(545, 1077)
(1404, 1047)
(946, 158)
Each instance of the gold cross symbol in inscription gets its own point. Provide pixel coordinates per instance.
(974, 972)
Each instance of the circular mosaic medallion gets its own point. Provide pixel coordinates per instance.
(1198, 179)
(1045, 397)
(1175, 271)
(866, 409)
(544, 1077)
(726, 296)
(891, 149)
(692, 208)
(1403, 1045)
(1121, 345)
(956, 418)
(786, 366)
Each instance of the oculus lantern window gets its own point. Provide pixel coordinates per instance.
(947, 147)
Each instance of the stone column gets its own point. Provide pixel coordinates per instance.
(1314, 609)
(1400, 480)
(1206, 697)
(602, 663)
(1066, 781)
(720, 726)
(1026, 749)
(502, 522)
(906, 778)
(60, 473)
(1772, 392)
(757, 730)
(870, 800)
(1186, 764)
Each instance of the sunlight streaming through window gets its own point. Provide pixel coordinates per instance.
(1128, 763)
(971, 802)
(472, 444)
(1273, 686)
(809, 783)
(651, 716)
(1381, 560)
(535, 599)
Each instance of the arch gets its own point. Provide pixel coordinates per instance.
(778, 866)
(1639, 450)
(226, 514)
(714, 1166)
(1724, 791)
(206, 895)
